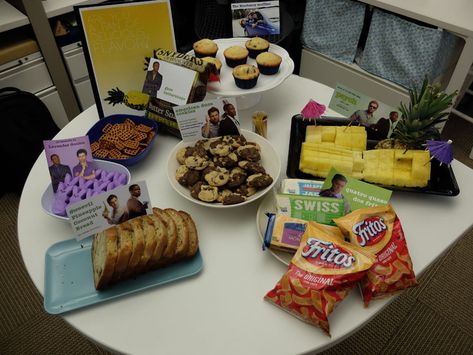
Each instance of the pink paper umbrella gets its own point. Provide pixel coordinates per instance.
(441, 150)
(312, 110)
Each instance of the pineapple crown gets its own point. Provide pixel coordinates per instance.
(421, 116)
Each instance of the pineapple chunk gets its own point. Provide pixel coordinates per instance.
(328, 133)
(397, 167)
(313, 134)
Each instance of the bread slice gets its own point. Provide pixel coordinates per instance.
(182, 233)
(150, 243)
(138, 246)
(193, 236)
(124, 250)
(104, 256)
(161, 238)
(171, 234)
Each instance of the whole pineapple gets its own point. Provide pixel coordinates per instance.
(420, 119)
(133, 99)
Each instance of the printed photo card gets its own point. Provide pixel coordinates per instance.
(95, 214)
(208, 119)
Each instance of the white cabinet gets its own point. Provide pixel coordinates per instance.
(29, 73)
(77, 68)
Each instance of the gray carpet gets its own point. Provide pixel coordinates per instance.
(433, 318)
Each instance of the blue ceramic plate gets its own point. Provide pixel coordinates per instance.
(69, 282)
(96, 131)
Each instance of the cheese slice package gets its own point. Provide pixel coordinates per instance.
(379, 231)
(285, 233)
(321, 274)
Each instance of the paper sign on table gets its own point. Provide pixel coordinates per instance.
(95, 214)
(355, 193)
(68, 157)
(368, 111)
(208, 119)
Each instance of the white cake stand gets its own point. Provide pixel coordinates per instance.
(247, 98)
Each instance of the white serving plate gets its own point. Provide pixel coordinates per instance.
(269, 159)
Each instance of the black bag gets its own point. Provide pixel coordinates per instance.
(25, 122)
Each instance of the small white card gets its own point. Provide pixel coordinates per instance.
(168, 82)
(208, 119)
(97, 213)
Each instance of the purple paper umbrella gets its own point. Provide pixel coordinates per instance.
(441, 150)
(312, 110)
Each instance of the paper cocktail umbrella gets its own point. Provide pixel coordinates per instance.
(440, 150)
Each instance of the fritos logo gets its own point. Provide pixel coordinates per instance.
(370, 231)
(320, 252)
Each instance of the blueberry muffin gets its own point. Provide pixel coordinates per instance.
(235, 55)
(205, 48)
(256, 46)
(217, 65)
(246, 76)
(268, 63)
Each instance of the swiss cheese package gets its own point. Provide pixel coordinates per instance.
(379, 231)
(320, 275)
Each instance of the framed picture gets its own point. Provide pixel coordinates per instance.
(117, 41)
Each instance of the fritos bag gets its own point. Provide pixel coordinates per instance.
(379, 231)
(320, 275)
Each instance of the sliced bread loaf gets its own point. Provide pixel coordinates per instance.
(171, 234)
(150, 242)
(161, 238)
(182, 233)
(193, 236)
(138, 246)
(124, 250)
(104, 256)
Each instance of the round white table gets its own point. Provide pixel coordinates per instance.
(221, 310)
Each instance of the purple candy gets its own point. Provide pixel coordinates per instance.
(61, 186)
(89, 184)
(102, 187)
(59, 207)
(89, 193)
(75, 190)
(82, 193)
(68, 190)
(74, 181)
(98, 173)
(81, 181)
(67, 178)
(110, 186)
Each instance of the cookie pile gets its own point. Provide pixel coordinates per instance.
(122, 140)
(224, 169)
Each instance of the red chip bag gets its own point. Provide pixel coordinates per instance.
(379, 231)
(320, 275)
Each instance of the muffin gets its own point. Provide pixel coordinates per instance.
(256, 46)
(268, 63)
(235, 55)
(217, 64)
(246, 76)
(205, 48)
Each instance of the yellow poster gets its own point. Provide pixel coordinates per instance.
(117, 40)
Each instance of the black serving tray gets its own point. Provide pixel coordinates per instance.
(442, 179)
